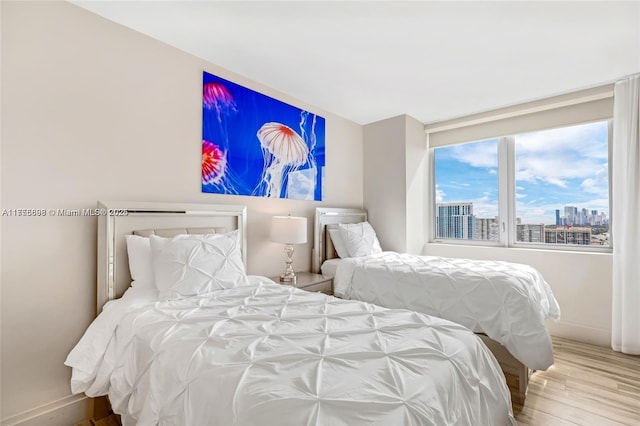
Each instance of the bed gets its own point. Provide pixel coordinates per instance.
(233, 348)
(506, 303)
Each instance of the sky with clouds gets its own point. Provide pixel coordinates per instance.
(553, 169)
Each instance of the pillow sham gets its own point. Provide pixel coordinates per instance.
(338, 243)
(189, 265)
(359, 239)
(140, 261)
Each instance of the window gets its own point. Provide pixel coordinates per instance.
(562, 185)
(548, 187)
(467, 191)
(528, 175)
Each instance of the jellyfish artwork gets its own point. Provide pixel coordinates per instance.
(283, 151)
(308, 188)
(217, 104)
(217, 96)
(217, 172)
(214, 163)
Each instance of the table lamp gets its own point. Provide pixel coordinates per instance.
(289, 230)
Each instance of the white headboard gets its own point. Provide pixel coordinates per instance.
(322, 246)
(119, 218)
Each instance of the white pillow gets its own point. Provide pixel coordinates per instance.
(338, 243)
(359, 239)
(140, 262)
(188, 265)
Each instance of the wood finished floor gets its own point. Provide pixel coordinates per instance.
(588, 386)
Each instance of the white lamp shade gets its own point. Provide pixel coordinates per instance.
(289, 229)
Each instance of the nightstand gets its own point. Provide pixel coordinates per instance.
(311, 282)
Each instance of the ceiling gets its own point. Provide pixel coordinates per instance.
(367, 61)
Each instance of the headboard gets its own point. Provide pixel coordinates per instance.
(322, 247)
(118, 218)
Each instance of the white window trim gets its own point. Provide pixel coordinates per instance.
(507, 210)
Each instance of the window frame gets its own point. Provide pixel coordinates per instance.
(507, 200)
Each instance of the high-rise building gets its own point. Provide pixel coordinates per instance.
(570, 215)
(486, 229)
(568, 235)
(455, 220)
(530, 233)
(584, 217)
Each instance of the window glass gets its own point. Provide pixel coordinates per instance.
(466, 190)
(562, 186)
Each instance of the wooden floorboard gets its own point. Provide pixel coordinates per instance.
(587, 385)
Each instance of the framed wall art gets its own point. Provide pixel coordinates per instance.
(256, 145)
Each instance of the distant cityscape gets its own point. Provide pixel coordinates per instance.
(575, 227)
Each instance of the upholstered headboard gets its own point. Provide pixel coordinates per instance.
(172, 232)
(118, 219)
(326, 217)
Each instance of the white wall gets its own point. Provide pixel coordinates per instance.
(94, 111)
(394, 179)
(416, 163)
(384, 181)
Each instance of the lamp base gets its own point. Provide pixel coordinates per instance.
(288, 276)
(289, 279)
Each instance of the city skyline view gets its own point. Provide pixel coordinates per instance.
(553, 169)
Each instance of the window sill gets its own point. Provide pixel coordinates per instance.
(608, 251)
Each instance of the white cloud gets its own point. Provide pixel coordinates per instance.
(536, 201)
(484, 206)
(480, 154)
(554, 156)
(549, 156)
(598, 183)
(440, 194)
(300, 184)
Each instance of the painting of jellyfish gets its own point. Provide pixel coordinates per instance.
(256, 145)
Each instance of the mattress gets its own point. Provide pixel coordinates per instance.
(267, 354)
(329, 267)
(509, 302)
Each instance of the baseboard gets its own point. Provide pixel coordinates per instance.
(580, 333)
(66, 411)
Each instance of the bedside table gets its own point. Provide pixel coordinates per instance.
(310, 282)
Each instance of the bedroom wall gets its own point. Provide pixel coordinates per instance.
(384, 181)
(94, 111)
(394, 176)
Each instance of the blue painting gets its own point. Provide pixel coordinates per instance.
(255, 145)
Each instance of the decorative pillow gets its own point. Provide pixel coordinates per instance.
(359, 239)
(140, 261)
(188, 265)
(338, 243)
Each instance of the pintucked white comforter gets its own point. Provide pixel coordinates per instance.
(507, 301)
(268, 354)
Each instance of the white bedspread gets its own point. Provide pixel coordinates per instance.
(269, 354)
(509, 302)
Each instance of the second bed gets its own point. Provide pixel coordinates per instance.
(507, 303)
